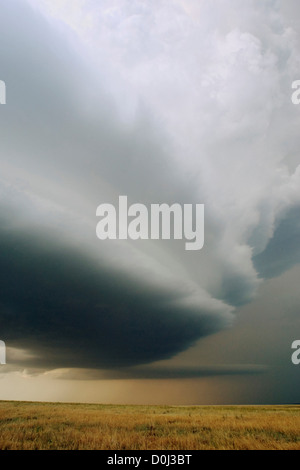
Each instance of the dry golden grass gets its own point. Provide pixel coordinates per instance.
(26, 425)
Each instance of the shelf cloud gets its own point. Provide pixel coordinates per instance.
(164, 102)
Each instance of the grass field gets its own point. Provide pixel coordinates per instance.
(78, 426)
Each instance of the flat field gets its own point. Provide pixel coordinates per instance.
(25, 425)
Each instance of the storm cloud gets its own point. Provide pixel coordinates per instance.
(163, 103)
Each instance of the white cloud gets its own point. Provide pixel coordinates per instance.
(216, 77)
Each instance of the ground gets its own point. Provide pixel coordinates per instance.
(25, 425)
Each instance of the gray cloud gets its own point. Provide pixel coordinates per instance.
(169, 105)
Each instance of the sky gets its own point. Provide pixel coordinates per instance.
(174, 101)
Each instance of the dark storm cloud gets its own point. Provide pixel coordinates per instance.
(59, 160)
(73, 313)
(70, 142)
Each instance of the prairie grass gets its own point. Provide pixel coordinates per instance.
(25, 425)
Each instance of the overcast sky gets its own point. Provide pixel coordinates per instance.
(165, 101)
